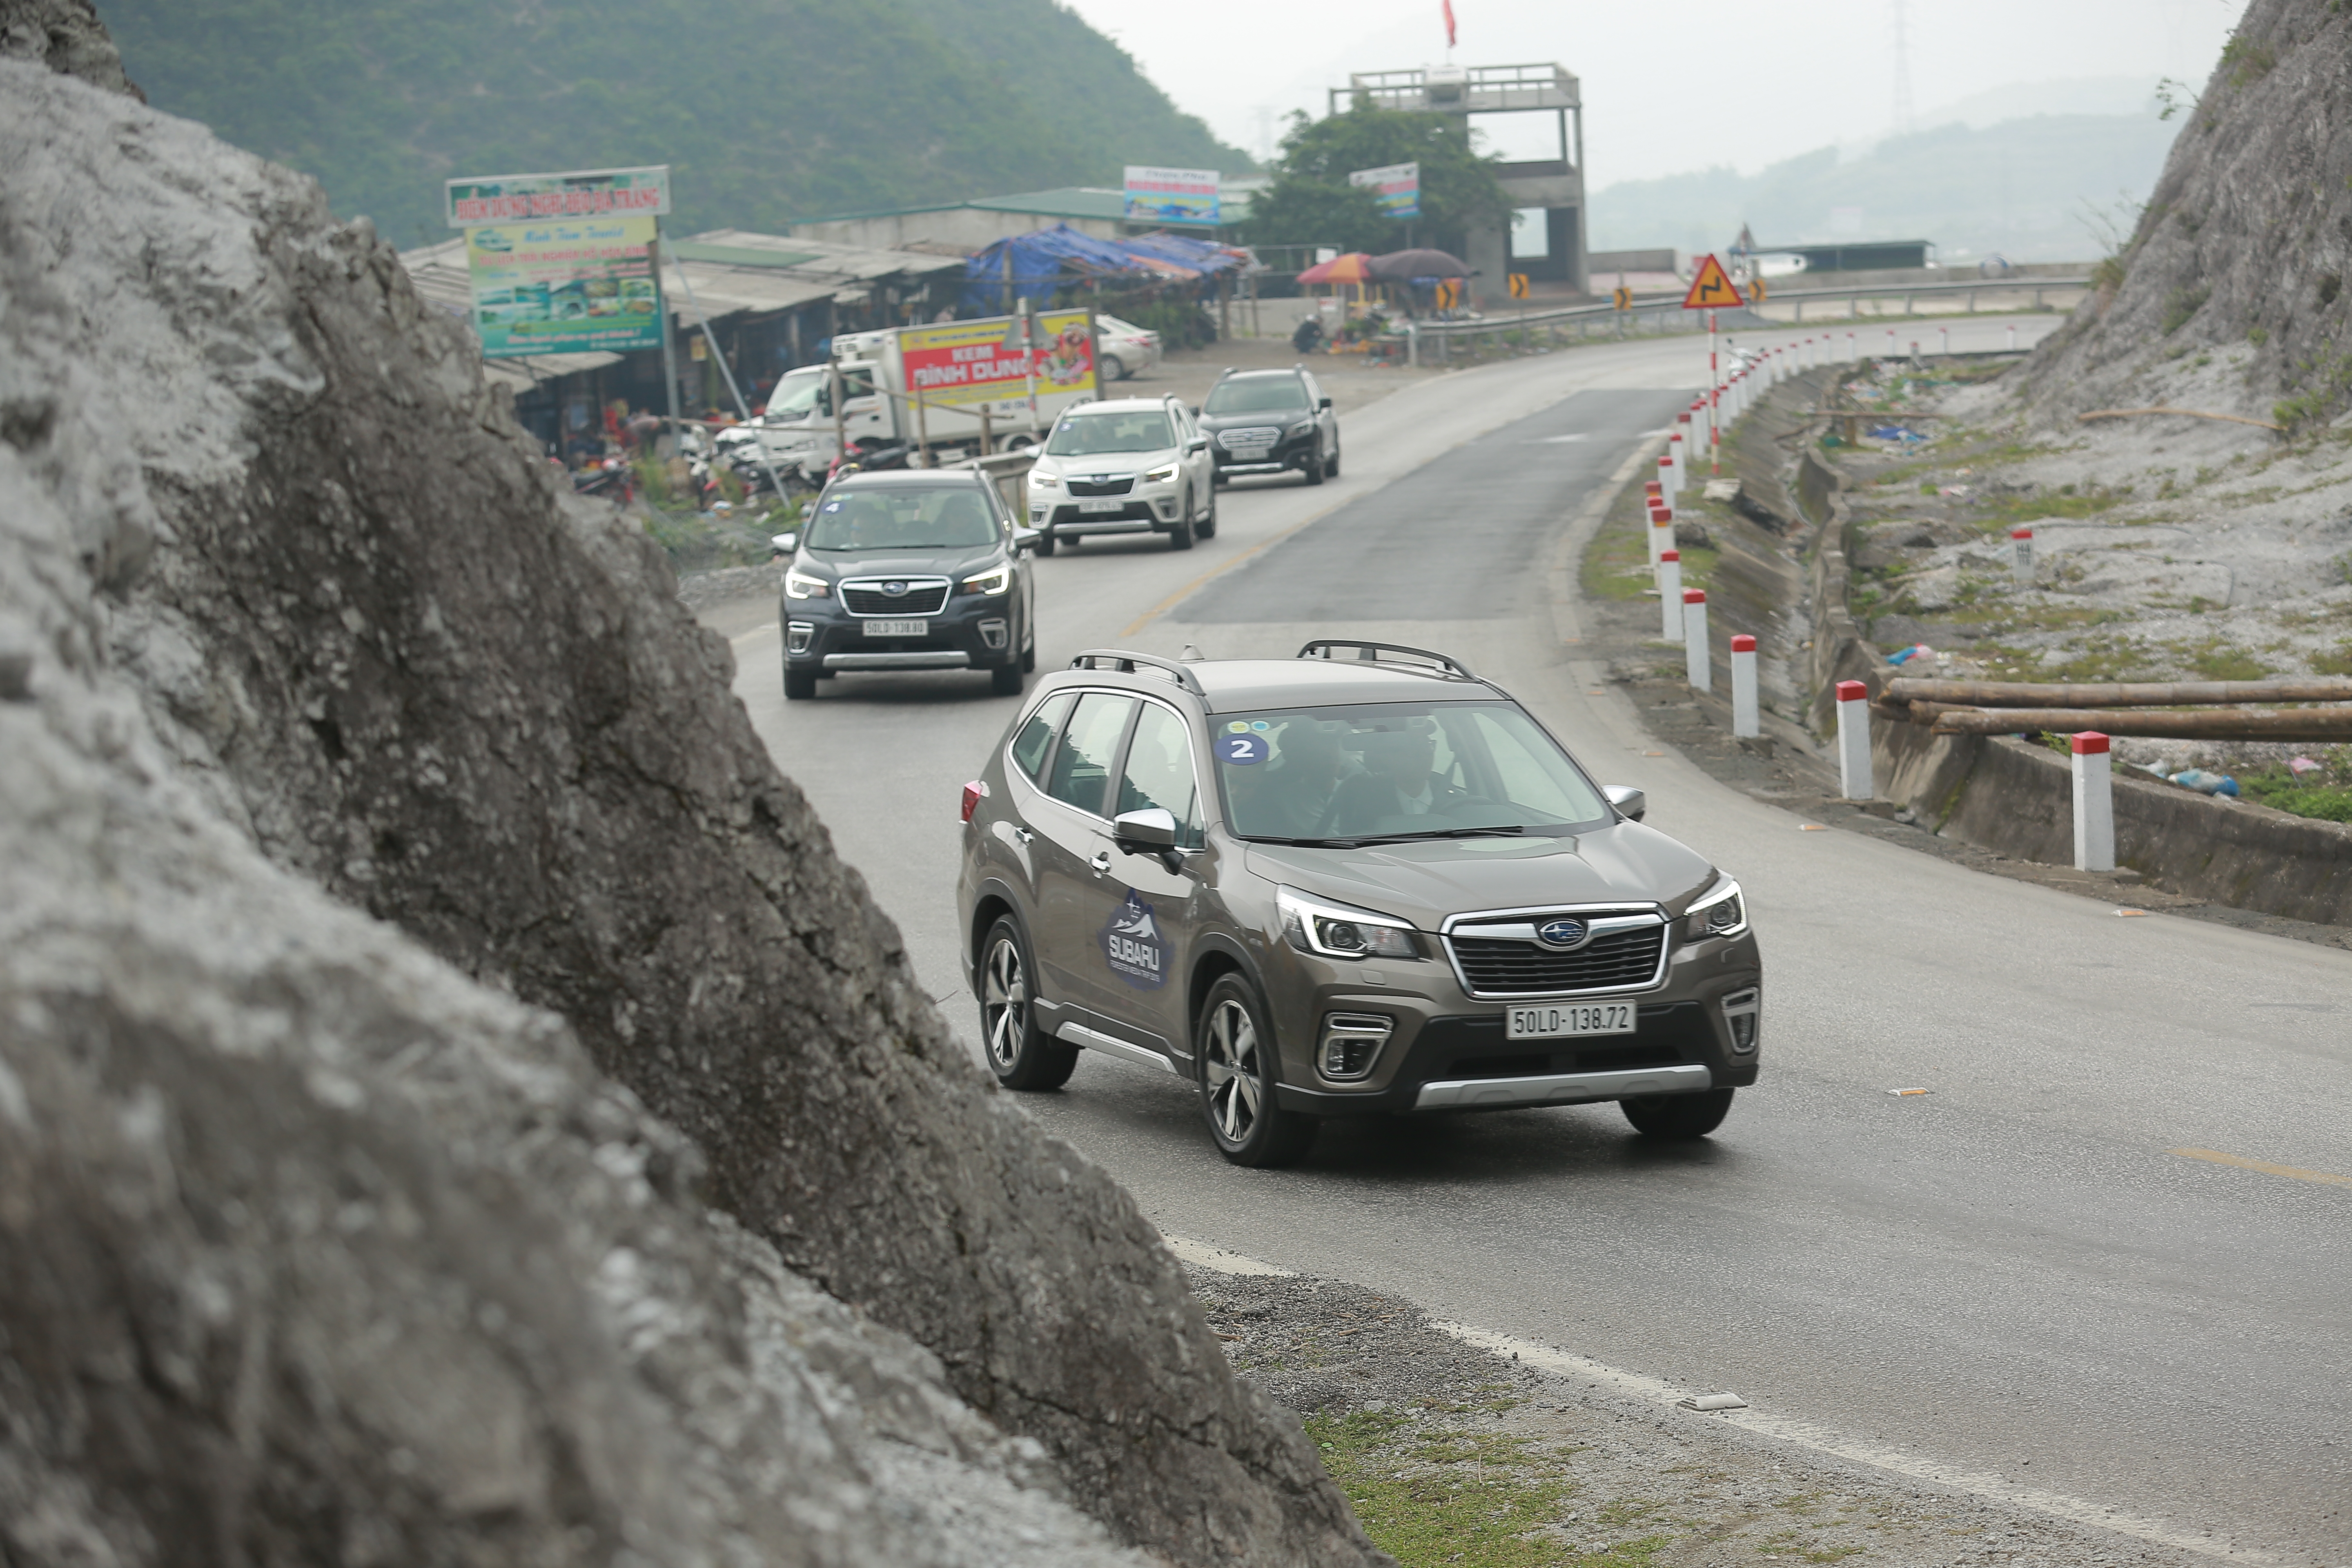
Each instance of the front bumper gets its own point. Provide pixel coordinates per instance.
(1290, 454)
(1701, 1028)
(970, 633)
(1153, 509)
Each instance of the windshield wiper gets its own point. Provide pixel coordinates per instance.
(1443, 833)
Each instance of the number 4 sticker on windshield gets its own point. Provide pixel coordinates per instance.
(1241, 750)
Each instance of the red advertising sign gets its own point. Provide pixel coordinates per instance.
(962, 363)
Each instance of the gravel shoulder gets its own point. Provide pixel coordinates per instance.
(1452, 1454)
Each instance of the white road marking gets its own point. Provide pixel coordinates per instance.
(1201, 1255)
(1804, 1434)
(1780, 1428)
(765, 629)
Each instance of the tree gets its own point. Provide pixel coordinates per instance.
(1310, 201)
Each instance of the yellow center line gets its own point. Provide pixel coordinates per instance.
(1181, 594)
(2325, 1178)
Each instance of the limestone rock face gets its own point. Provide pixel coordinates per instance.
(406, 945)
(2234, 295)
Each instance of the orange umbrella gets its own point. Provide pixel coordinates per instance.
(1353, 268)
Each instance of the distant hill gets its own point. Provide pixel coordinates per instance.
(767, 111)
(2019, 187)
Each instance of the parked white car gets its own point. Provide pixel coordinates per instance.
(1127, 349)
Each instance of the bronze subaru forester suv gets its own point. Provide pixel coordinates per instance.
(1362, 880)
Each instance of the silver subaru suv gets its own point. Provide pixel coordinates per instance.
(1359, 881)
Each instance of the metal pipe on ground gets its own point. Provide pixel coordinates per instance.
(2301, 724)
(2116, 694)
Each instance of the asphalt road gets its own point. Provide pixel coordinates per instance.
(2015, 1281)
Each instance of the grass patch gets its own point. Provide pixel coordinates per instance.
(2326, 794)
(2217, 660)
(1476, 1500)
(2337, 663)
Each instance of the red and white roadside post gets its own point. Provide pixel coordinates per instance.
(1853, 349)
(2020, 556)
(2013, 337)
(1745, 719)
(1670, 594)
(2095, 804)
(1853, 740)
(1891, 344)
(1661, 531)
(1679, 450)
(1667, 476)
(1696, 657)
(1946, 333)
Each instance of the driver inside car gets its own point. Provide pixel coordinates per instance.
(1397, 781)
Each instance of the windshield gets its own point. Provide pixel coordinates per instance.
(1259, 395)
(1398, 770)
(1085, 433)
(903, 518)
(798, 394)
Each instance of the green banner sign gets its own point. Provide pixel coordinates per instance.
(566, 286)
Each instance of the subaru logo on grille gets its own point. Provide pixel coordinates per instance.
(1102, 479)
(895, 590)
(1562, 933)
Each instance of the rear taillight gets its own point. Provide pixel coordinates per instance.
(973, 793)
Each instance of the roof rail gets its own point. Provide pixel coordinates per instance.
(1371, 652)
(1125, 663)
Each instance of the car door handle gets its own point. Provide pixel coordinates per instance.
(1101, 862)
(1023, 835)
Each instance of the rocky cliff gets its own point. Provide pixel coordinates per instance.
(2230, 294)
(454, 1104)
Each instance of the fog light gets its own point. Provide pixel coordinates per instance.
(798, 635)
(995, 633)
(1740, 1010)
(1351, 1044)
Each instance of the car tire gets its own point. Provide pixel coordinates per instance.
(1006, 678)
(1217, 478)
(1207, 527)
(1236, 1070)
(1021, 1055)
(1314, 469)
(1677, 1116)
(1180, 536)
(1045, 541)
(1331, 470)
(1114, 368)
(799, 684)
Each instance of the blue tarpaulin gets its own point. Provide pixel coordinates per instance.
(1043, 261)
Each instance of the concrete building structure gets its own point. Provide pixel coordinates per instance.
(1547, 241)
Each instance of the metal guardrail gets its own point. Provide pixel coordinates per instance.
(1658, 310)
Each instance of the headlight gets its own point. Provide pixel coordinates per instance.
(800, 585)
(989, 584)
(1302, 427)
(1721, 912)
(1161, 475)
(1045, 481)
(1337, 931)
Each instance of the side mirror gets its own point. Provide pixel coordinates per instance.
(1198, 444)
(1025, 540)
(1324, 403)
(1142, 832)
(783, 544)
(1631, 803)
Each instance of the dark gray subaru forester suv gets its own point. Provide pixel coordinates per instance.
(1358, 881)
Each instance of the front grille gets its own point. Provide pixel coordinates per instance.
(920, 600)
(1251, 438)
(1100, 488)
(1616, 961)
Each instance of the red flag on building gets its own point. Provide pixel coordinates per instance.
(1448, 5)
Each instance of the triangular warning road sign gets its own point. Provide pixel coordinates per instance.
(1712, 289)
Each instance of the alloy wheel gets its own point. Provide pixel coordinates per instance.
(1004, 1004)
(1234, 1070)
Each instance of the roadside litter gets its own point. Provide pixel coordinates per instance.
(2204, 783)
(1905, 655)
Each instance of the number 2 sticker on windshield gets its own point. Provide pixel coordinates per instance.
(1241, 750)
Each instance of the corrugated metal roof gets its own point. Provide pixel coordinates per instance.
(1064, 201)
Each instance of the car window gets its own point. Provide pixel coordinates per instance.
(1082, 434)
(1257, 394)
(1158, 772)
(900, 516)
(1079, 773)
(1029, 746)
(1408, 769)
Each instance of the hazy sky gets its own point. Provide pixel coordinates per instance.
(1667, 87)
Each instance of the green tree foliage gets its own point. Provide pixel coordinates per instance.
(1310, 201)
(767, 111)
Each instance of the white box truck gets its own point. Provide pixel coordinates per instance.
(945, 386)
